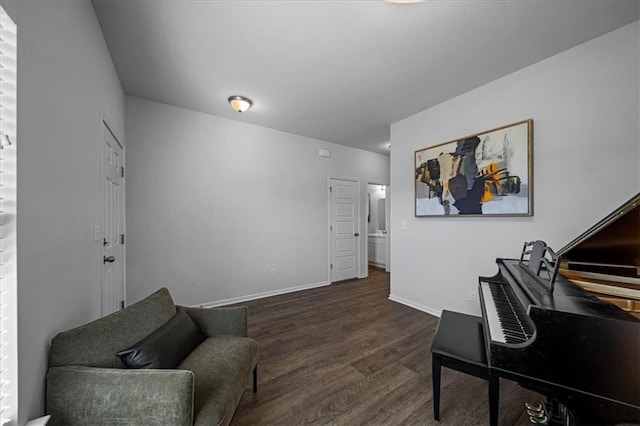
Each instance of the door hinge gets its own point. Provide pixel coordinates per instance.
(330, 227)
(331, 189)
(121, 238)
(122, 171)
(122, 304)
(332, 266)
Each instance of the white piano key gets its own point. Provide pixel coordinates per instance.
(495, 328)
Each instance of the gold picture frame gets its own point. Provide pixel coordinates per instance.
(485, 174)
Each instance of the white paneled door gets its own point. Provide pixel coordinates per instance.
(344, 228)
(113, 226)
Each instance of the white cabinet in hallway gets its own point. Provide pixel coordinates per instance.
(377, 245)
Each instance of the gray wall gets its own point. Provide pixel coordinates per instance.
(214, 204)
(66, 81)
(584, 103)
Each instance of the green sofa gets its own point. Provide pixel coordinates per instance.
(87, 383)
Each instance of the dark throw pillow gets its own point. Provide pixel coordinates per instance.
(167, 346)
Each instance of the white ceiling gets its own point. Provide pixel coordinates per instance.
(340, 71)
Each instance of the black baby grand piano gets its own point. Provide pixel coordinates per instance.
(556, 338)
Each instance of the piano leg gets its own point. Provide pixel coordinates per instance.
(494, 399)
(436, 363)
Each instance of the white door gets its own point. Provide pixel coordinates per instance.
(344, 202)
(113, 225)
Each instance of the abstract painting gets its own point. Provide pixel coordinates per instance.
(487, 174)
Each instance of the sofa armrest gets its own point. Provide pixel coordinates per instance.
(89, 395)
(220, 321)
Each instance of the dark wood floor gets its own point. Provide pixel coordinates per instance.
(345, 354)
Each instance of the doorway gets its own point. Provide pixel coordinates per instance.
(377, 215)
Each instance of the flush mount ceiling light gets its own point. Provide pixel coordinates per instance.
(239, 103)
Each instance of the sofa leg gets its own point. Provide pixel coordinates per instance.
(255, 379)
(436, 363)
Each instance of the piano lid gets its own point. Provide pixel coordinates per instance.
(611, 247)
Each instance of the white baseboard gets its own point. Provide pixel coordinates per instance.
(423, 308)
(255, 296)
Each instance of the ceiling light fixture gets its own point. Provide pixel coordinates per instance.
(239, 103)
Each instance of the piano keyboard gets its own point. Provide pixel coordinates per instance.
(505, 315)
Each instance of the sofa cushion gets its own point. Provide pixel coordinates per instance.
(95, 344)
(167, 346)
(222, 368)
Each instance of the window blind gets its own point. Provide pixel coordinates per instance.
(8, 276)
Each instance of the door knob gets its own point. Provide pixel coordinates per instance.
(109, 259)
(356, 234)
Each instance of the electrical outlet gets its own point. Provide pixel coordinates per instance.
(473, 296)
(272, 272)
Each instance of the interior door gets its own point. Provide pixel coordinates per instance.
(344, 236)
(113, 225)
